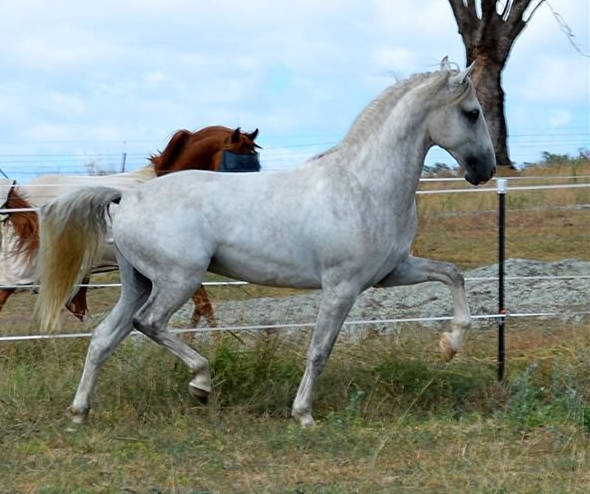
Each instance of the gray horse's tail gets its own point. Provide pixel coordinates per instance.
(72, 229)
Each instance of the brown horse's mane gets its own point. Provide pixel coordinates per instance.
(166, 158)
(25, 224)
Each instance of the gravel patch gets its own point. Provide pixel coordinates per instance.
(564, 296)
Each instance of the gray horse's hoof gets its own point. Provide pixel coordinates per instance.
(200, 388)
(304, 418)
(447, 349)
(78, 417)
(200, 395)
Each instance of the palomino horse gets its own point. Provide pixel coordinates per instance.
(205, 149)
(343, 222)
(19, 229)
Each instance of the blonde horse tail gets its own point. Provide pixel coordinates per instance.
(72, 229)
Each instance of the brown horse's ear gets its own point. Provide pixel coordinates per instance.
(235, 137)
(253, 135)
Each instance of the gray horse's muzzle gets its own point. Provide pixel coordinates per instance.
(480, 169)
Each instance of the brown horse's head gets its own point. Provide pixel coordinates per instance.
(241, 142)
(203, 149)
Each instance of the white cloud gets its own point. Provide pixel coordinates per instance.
(543, 67)
(71, 132)
(153, 77)
(66, 105)
(141, 69)
(555, 79)
(559, 118)
(396, 60)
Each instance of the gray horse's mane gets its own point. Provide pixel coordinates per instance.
(375, 113)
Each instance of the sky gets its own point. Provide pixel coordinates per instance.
(83, 82)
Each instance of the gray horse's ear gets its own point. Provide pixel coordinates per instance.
(445, 64)
(459, 78)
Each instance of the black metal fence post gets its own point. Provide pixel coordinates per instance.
(501, 183)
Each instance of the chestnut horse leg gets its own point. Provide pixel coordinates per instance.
(203, 307)
(77, 305)
(4, 294)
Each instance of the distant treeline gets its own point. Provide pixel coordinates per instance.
(547, 159)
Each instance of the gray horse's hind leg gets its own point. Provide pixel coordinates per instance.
(107, 336)
(152, 320)
(334, 308)
(418, 270)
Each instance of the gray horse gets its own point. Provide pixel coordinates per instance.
(342, 222)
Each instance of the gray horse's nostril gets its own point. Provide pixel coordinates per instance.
(471, 161)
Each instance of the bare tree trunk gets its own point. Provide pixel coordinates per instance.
(487, 81)
(488, 38)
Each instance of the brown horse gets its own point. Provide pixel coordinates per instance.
(200, 150)
(204, 149)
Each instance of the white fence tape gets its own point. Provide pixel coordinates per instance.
(419, 192)
(243, 283)
(265, 327)
(363, 322)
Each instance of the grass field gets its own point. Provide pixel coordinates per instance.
(391, 416)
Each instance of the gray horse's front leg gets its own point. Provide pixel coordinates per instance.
(418, 270)
(334, 308)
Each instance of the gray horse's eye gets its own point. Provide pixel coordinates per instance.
(472, 115)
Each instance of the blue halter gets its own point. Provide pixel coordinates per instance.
(234, 162)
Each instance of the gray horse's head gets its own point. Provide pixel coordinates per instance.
(458, 126)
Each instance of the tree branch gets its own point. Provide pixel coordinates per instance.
(488, 10)
(466, 18)
(516, 12)
(471, 7)
(518, 24)
(533, 11)
(506, 10)
(491, 21)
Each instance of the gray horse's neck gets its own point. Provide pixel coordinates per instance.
(387, 144)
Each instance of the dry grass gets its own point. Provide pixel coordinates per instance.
(541, 224)
(392, 416)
